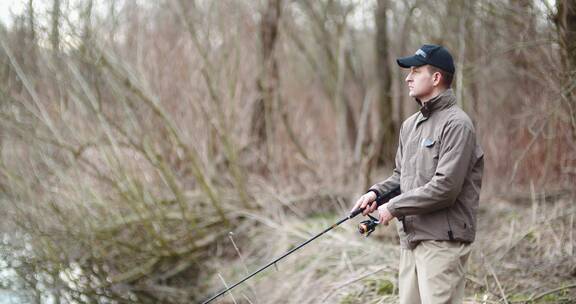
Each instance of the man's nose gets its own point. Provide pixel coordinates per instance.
(408, 77)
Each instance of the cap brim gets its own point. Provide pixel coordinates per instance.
(410, 61)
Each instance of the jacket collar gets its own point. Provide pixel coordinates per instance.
(441, 101)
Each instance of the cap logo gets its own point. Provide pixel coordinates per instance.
(421, 53)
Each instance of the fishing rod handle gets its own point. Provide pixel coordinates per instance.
(380, 200)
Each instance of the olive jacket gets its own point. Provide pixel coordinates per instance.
(438, 166)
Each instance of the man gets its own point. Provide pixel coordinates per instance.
(439, 165)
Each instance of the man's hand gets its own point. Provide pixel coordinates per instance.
(368, 199)
(384, 216)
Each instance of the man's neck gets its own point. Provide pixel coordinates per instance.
(437, 91)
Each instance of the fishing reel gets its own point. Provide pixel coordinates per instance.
(368, 226)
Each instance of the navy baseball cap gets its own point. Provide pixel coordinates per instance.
(431, 54)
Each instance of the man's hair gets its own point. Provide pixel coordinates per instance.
(446, 77)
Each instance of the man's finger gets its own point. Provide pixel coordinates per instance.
(359, 204)
(364, 202)
(369, 209)
(356, 205)
(381, 219)
(366, 210)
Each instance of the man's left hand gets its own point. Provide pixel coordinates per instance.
(384, 216)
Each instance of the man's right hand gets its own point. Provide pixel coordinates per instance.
(367, 201)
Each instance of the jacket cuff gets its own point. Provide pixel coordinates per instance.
(378, 195)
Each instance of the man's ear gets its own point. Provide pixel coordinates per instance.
(436, 79)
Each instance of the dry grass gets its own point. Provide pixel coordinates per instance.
(521, 254)
(127, 156)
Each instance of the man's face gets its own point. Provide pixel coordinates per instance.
(421, 82)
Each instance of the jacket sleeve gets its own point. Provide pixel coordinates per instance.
(456, 151)
(394, 180)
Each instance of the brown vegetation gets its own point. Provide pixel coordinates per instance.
(151, 151)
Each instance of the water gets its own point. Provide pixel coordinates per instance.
(8, 277)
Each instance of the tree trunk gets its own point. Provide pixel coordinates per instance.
(87, 29)
(386, 136)
(31, 43)
(407, 25)
(267, 83)
(55, 30)
(471, 54)
(566, 25)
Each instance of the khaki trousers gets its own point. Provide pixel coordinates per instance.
(433, 273)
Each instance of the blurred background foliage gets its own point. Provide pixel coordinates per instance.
(152, 150)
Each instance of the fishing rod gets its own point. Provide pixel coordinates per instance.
(366, 227)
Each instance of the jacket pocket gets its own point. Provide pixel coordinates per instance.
(462, 230)
(406, 227)
(427, 160)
